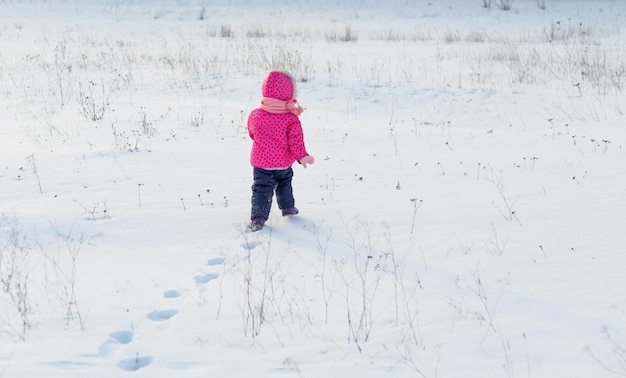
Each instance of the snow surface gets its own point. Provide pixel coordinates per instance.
(465, 216)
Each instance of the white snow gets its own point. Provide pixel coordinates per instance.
(465, 216)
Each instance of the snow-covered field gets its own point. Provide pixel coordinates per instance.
(465, 217)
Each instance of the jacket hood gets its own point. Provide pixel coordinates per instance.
(278, 85)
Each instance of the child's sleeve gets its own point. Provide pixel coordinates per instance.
(296, 140)
(251, 123)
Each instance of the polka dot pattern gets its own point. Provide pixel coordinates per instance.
(277, 139)
(278, 85)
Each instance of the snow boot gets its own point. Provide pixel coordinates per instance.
(256, 224)
(290, 211)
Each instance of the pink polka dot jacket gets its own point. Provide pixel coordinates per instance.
(277, 138)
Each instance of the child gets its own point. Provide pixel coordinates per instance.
(277, 142)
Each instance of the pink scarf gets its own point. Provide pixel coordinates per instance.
(274, 105)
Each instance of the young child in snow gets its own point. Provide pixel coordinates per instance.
(277, 142)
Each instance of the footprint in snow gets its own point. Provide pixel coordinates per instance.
(115, 340)
(204, 278)
(171, 294)
(250, 245)
(215, 261)
(122, 337)
(161, 315)
(136, 363)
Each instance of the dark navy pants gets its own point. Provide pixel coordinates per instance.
(266, 183)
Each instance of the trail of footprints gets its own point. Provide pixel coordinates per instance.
(124, 338)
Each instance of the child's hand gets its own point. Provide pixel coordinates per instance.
(307, 160)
